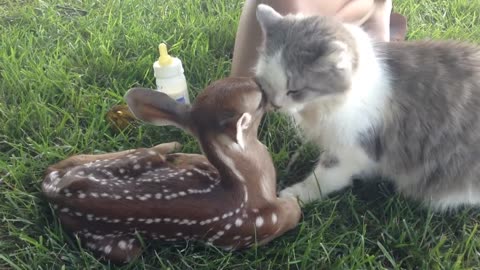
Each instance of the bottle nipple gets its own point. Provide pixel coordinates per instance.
(165, 59)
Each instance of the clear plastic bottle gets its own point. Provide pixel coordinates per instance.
(169, 76)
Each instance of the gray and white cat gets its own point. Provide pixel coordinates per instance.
(406, 111)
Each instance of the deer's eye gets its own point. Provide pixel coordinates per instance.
(226, 118)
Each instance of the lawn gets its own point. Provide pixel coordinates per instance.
(65, 63)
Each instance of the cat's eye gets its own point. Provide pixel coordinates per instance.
(293, 92)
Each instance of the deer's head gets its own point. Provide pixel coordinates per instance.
(228, 111)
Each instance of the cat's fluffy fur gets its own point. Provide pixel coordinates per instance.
(407, 111)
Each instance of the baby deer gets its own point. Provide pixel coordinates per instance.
(226, 198)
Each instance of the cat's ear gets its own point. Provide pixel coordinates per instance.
(267, 16)
(339, 57)
(342, 56)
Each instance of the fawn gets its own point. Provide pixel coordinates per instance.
(226, 197)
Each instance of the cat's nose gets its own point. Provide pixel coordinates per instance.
(272, 106)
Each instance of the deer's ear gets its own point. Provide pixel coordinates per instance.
(242, 124)
(157, 108)
(244, 121)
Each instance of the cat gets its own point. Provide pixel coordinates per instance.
(405, 111)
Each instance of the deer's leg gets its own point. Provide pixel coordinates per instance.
(282, 216)
(334, 172)
(116, 247)
(74, 174)
(76, 160)
(166, 148)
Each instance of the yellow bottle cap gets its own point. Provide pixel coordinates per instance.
(165, 59)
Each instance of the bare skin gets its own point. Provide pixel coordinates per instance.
(374, 15)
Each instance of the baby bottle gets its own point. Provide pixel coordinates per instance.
(169, 76)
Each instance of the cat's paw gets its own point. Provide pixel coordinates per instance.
(301, 193)
(288, 193)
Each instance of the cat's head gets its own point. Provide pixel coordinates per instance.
(303, 58)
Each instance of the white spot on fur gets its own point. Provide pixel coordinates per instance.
(274, 218)
(238, 222)
(259, 222)
(228, 248)
(107, 249)
(122, 245)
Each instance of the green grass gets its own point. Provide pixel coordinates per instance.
(64, 63)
